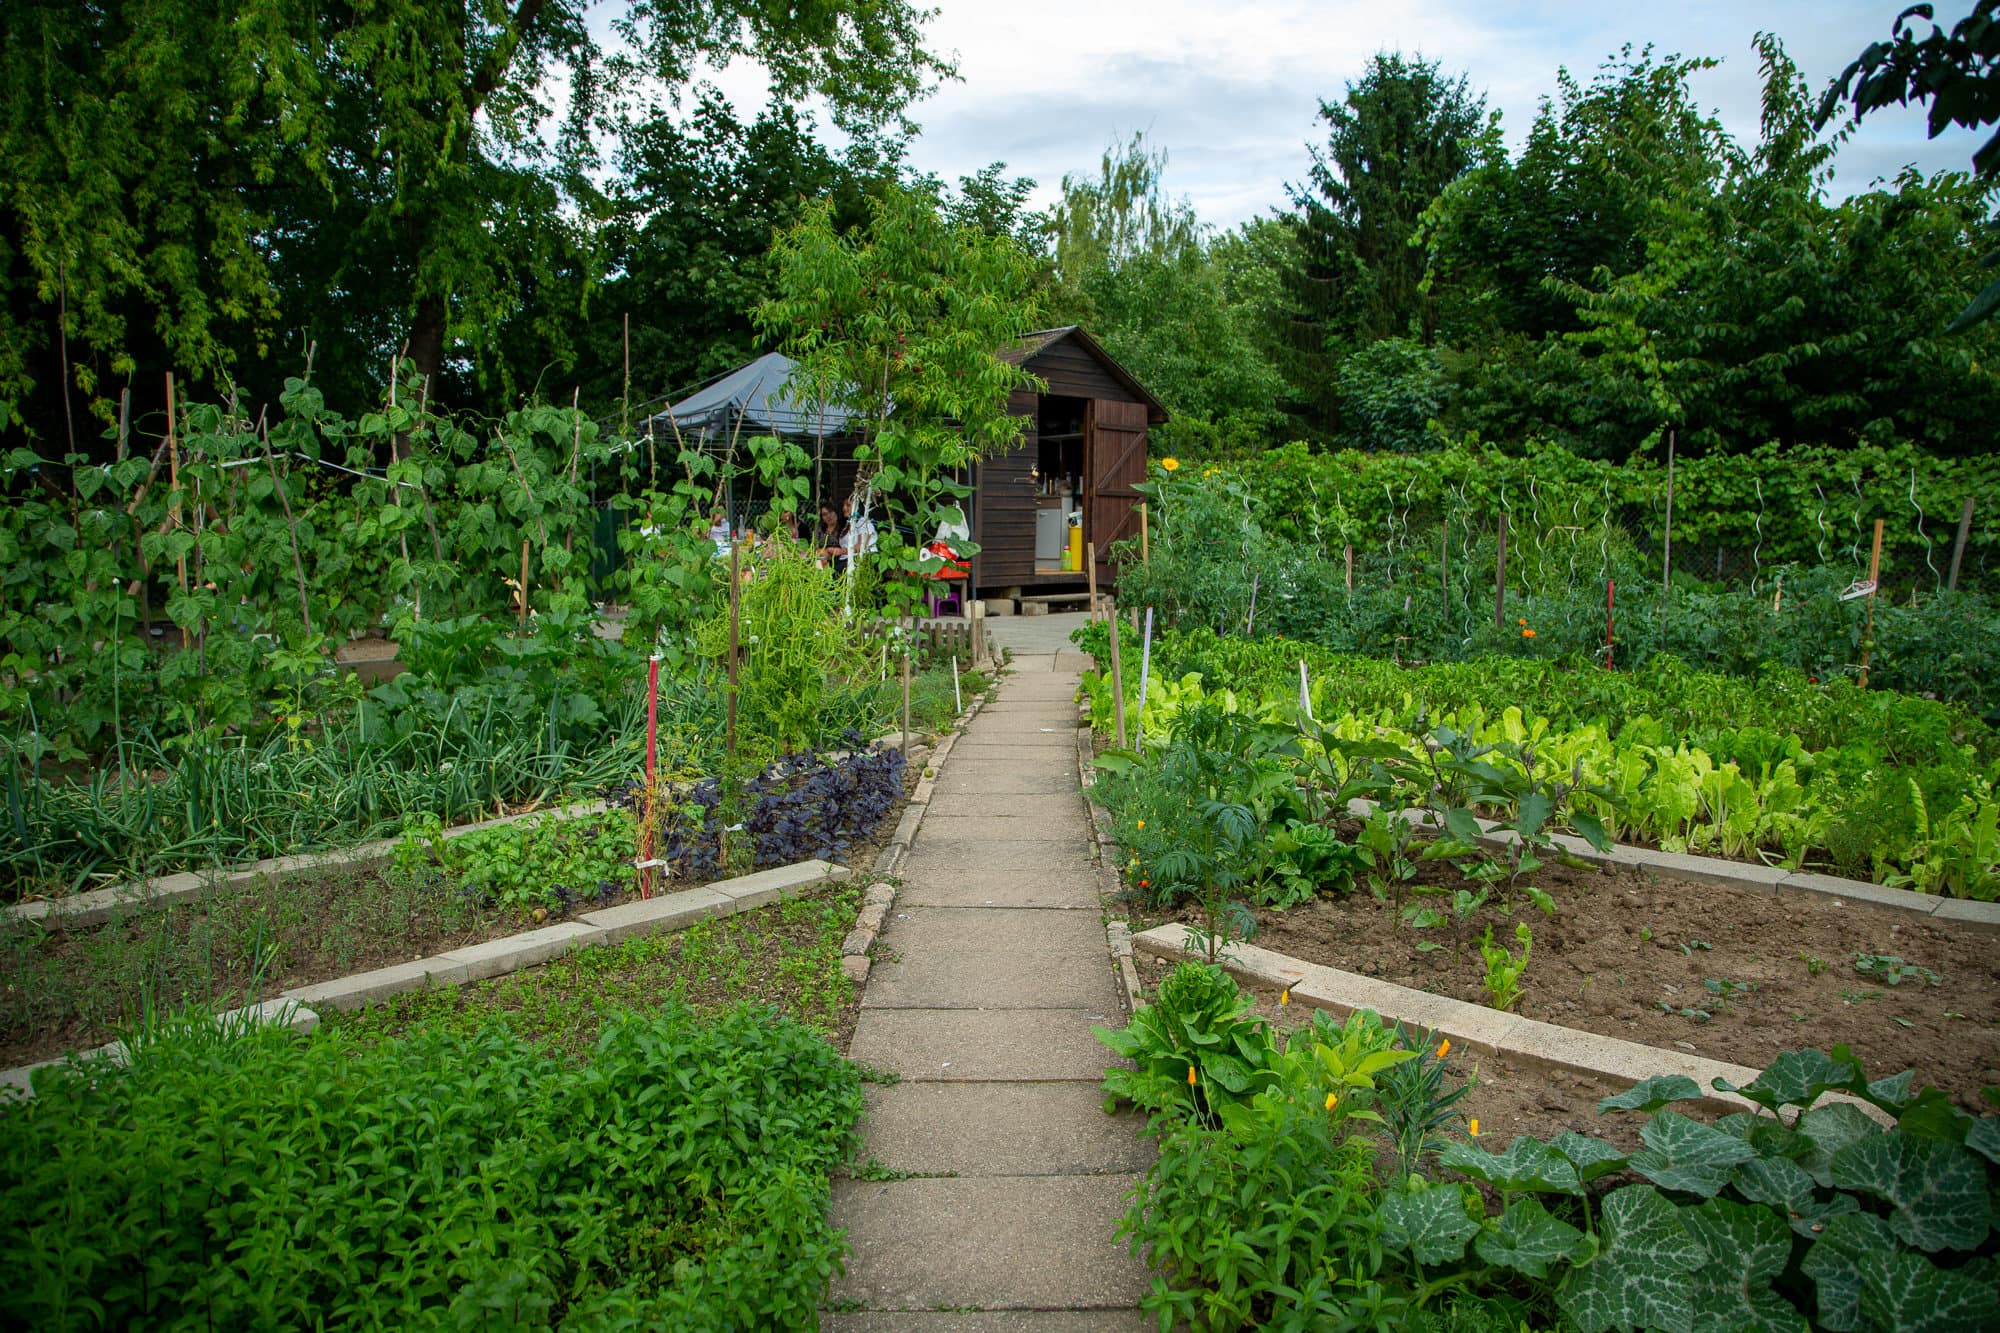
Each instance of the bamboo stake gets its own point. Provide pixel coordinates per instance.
(1958, 546)
(1350, 571)
(1667, 545)
(1874, 579)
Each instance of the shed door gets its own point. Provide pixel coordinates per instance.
(1115, 437)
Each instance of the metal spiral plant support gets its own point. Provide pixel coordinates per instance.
(1937, 580)
(1819, 517)
(1855, 549)
(1389, 530)
(1757, 553)
(1604, 535)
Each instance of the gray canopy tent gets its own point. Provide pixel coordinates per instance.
(758, 399)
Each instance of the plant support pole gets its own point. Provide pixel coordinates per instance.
(1667, 544)
(1145, 670)
(1958, 546)
(652, 776)
(1500, 578)
(1610, 599)
(1874, 578)
(1090, 563)
(1145, 532)
(1117, 678)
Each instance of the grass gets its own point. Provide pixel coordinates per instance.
(786, 956)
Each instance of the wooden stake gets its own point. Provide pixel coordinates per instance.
(1500, 579)
(1874, 579)
(1090, 563)
(522, 596)
(1145, 530)
(1350, 571)
(1117, 679)
(625, 400)
(174, 490)
(1667, 545)
(1958, 546)
(906, 687)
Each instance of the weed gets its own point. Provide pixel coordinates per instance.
(1893, 971)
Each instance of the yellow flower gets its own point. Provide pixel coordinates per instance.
(1331, 1101)
(1191, 1081)
(1285, 996)
(1142, 823)
(1444, 1048)
(1170, 464)
(1475, 1124)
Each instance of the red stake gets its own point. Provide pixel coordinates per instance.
(1610, 591)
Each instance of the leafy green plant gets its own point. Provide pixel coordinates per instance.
(1502, 982)
(1197, 1045)
(1462, 907)
(646, 1186)
(549, 865)
(1893, 971)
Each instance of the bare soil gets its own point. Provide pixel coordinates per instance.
(1625, 954)
(71, 990)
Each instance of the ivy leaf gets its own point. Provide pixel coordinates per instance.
(1863, 1279)
(1592, 1157)
(1651, 1094)
(1527, 1239)
(1682, 1154)
(1984, 1138)
(1776, 1183)
(1639, 1276)
(1526, 1165)
(1748, 1248)
(1827, 1130)
(1938, 1189)
(1796, 1078)
(1430, 1223)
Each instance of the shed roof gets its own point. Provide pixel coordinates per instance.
(1032, 345)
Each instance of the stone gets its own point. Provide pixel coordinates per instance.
(855, 968)
(946, 859)
(1068, 828)
(999, 606)
(1034, 608)
(513, 952)
(768, 886)
(1049, 806)
(870, 917)
(653, 916)
(365, 988)
(994, 1243)
(857, 943)
(1002, 1129)
(1860, 892)
(1706, 869)
(1074, 888)
(1964, 912)
(1552, 1047)
(994, 958)
(975, 1045)
(997, 778)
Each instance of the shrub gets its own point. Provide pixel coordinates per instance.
(258, 1180)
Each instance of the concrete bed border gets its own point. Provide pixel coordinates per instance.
(98, 906)
(301, 1006)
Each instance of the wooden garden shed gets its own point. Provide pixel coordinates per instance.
(1082, 450)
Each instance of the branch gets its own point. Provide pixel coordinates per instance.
(502, 55)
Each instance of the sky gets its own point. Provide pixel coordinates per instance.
(1231, 89)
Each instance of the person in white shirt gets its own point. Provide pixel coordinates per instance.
(859, 538)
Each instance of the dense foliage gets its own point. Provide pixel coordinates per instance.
(1264, 1207)
(261, 1179)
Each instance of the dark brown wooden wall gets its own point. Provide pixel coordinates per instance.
(1116, 441)
(1070, 370)
(1004, 505)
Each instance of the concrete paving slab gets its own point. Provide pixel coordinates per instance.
(988, 777)
(957, 804)
(1006, 826)
(980, 1045)
(990, 1321)
(1041, 685)
(1005, 1243)
(1003, 1129)
(1034, 663)
(979, 958)
(1072, 890)
(948, 860)
(1060, 719)
(1061, 741)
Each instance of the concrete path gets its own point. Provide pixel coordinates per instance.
(990, 971)
(1041, 643)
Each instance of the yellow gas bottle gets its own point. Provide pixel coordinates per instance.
(1073, 558)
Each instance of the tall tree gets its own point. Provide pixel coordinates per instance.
(1141, 271)
(1403, 132)
(379, 175)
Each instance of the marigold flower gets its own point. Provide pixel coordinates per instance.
(1170, 464)
(1522, 621)
(1475, 1126)
(1331, 1101)
(1191, 1078)
(1444, 1048)
(1145, 883)
(1142, 823)
(1527, 634)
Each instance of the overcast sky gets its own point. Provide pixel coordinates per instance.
(1231, 89)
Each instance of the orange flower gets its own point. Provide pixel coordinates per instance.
(1331, 1101)
(1145, 883)
(1527, 634)
(1444, 1048)
(1191, 1080)
(1475, 1119)
(1522, 621)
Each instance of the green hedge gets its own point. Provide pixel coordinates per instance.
(263, 1180)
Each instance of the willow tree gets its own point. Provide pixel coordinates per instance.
(191, 182)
